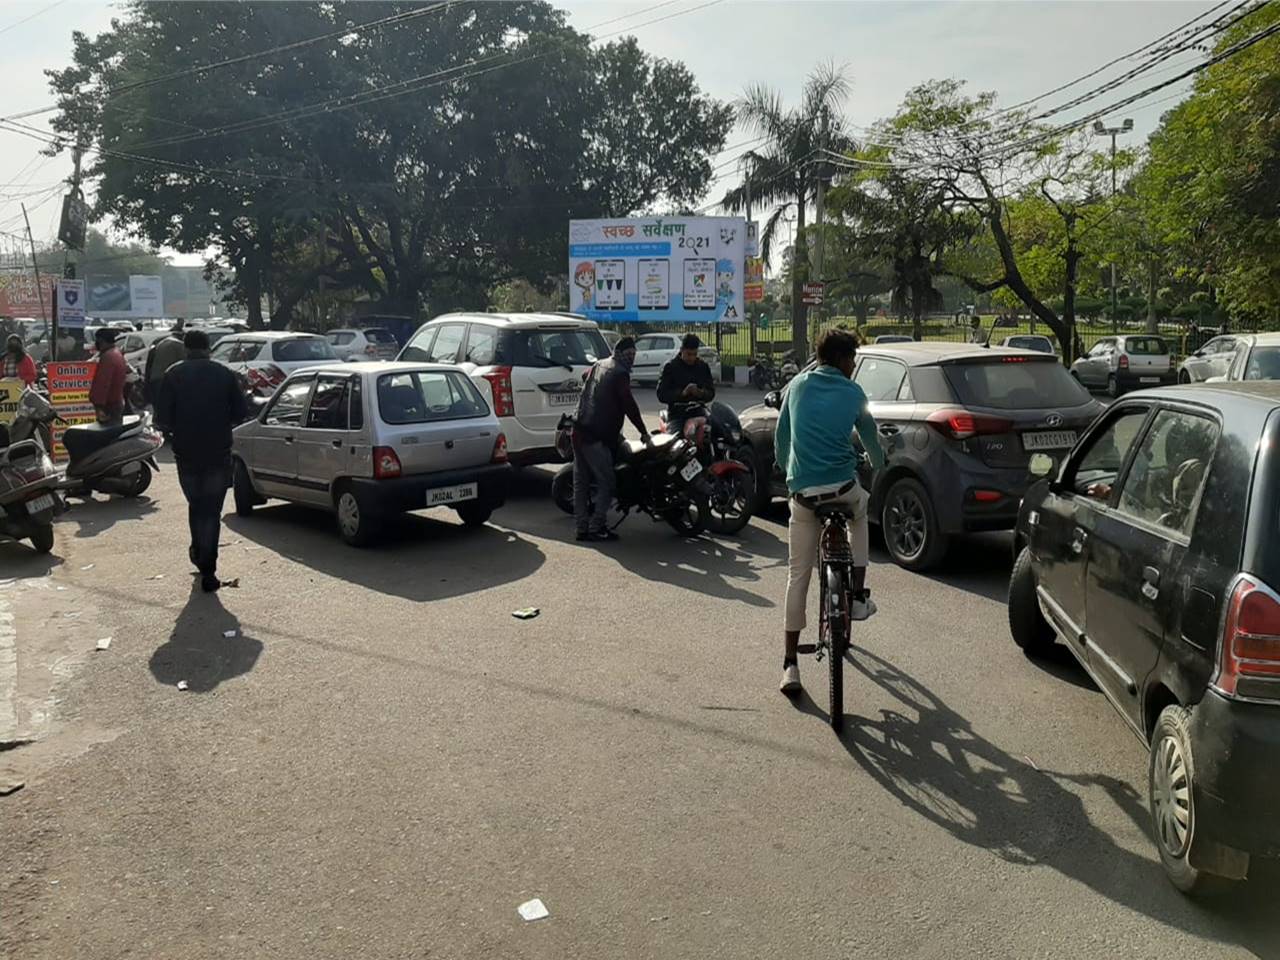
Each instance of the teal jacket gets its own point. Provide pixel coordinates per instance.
(821, 409)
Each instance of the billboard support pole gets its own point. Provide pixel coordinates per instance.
(34, 264)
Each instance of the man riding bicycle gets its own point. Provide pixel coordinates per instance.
(821, 409)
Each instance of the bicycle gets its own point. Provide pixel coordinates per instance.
(835, 593)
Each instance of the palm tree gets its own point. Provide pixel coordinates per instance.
(785, 172)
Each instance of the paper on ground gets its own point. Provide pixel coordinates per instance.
(533, 909)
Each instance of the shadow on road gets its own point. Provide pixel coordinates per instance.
(929, 758)
(419, 557)
(198, 650)
(17, 559)
(93, 515)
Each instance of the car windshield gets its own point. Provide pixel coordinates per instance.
(1145, 346)
(379, 336)
(1015, 383)
(1030, 343)
(428, 395)
(1264, 364)
(302, 349)
(556, 348)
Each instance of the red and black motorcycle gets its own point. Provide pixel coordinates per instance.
(716, 433)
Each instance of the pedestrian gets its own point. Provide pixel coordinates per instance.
(605, 402)
(199, 403)
(164, 353)
(107, 392)
(685, 384)
(17, 363)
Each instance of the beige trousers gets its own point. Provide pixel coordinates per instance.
(803, 531)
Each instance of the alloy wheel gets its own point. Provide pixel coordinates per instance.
(1171, 797)
(907, 524)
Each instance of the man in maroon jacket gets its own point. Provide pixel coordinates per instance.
(107, 392)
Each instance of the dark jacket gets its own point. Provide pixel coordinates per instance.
(677, 375)
(606, 402)
(163, 355)
(200, 401)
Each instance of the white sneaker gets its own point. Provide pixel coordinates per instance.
(861, 609)
(790, 679)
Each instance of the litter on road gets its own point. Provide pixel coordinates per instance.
(533, 909)
(228, 633)
(104, 643)
(182, 684)
(156, 576)
(88, 566)
(528, 613)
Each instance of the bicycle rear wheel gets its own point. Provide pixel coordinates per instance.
(835, 614)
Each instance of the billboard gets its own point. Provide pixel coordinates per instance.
(69, 384)
(125, 298)
(660, 269)
(10, 394)
(70, 297)
(20, 296)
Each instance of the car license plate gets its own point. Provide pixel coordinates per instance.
(438, 496)
(1048, 439)
(690, 470)
(40, 504)
(1148, 379)
(567, 399)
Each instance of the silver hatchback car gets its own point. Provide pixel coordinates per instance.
(371, 440)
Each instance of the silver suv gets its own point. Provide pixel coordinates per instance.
(370, 440)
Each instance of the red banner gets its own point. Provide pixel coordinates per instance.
(20, 297)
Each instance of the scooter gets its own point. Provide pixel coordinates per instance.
(29, 497)
(117, 458)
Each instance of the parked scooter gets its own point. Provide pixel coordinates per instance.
(767, 375)
(112, 458)
(716, 433)
(664, 479)
(29, 497)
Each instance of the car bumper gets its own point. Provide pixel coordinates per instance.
(402, 494)
(1236, 746)
(526, 446)
(957, 484)
(1134, 380)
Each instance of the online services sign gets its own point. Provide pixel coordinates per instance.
(660, 269)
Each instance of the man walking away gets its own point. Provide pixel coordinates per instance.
(685, 384)
(107, 391)
(164, 353)
(200, 402)
(606, 399)
(821, 409)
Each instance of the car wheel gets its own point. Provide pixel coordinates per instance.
(910, 526)
(562, 488)
(1171, 799)
(1031, 632)
(1113, 386)
(42, 538)
(761, 472)
(475, 513)
(242, 489)
(356, 524)
(1184, 377)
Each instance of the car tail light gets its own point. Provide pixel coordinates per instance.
(504, 404)
(961, 425)
(987, 496)
(1124, 361)
(268, 376)
(1250, 636)
(499, 449)
(385, 463)
(371, 350)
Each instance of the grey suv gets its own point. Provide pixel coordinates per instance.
(369, 440)
(959, 423)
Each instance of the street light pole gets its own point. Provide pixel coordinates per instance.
(1102, 130)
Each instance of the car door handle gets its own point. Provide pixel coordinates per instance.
(1151, 575)
(889, 430)
(1078, 541)
(288, 439)
(337, 444)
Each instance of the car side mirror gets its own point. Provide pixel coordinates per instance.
(1041, 465)
(773, 400)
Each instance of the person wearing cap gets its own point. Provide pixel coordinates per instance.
(107, 392)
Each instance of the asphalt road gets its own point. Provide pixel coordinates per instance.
(381, 762)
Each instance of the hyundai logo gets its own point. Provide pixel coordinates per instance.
(1053, 420)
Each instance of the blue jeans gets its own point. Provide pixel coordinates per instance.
(592, 465)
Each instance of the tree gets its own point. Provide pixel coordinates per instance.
(786, 171)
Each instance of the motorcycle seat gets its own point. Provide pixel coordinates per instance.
(89, 438)
(632, 450)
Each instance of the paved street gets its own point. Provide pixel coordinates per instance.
(381, 762)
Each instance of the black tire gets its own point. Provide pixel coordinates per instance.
(562, 488)
(910, 526)
(1171, 773)
(141, 481)
(42, 538)
(741, 489)
(1113, 386)
(475, 513)
(1031, 632)
(761, 473)
(690, 520)
(1184, 377)
(357, 525)
(835, 621)
(242, 489)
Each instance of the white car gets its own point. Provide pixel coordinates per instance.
(264, 359)
(653, 350)
(1030, 341)
(371, 344)
(135, 345)
(528, 366)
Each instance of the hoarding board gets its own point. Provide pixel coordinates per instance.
(69, 384)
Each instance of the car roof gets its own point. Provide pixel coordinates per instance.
(273, 334)
(374, 366)
(1264, 393)
(1258, 339)
(934, 351)
(520, 321)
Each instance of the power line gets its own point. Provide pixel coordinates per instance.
(42, 10)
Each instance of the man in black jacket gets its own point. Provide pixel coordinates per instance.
(685, 384)
(200, 402)
(606, 400)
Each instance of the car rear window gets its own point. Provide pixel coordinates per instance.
(1029, 343)
(1014, 383)
(379, 336)
(301, 350)
(1145, 346)
(555, 348)
(1264, 364)
(425, 396)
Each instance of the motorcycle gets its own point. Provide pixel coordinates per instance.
(664, 479)
(114, 458)
(29, 497)
(716, 433)
(767, 375)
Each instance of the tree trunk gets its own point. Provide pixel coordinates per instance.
(1072, 258)
(1015, 282)
(799, 274)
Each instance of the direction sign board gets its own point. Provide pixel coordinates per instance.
(813, 293)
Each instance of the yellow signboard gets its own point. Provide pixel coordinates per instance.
(10, 393)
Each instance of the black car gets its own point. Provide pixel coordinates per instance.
(1153, 554)
(958, 423)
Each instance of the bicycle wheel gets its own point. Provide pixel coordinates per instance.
(835, 602)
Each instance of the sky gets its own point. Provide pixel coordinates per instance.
(1018, 48)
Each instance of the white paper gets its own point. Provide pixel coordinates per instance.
(104, 643)
(533, 909)
(182, 684)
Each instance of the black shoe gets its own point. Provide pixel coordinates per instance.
(209, 583)
(603, 536)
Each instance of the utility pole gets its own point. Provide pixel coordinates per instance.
(77, 154)
(820, 199)
(35, 265)
(746, 186)
(1102, 130)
